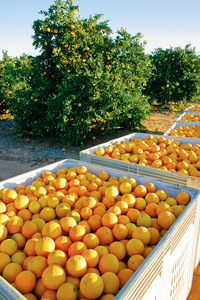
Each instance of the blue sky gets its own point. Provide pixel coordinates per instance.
(162, 23)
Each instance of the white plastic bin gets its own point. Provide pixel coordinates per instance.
(168, 271)
(180, 123)
(88, 155)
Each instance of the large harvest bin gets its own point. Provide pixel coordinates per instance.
(88, 155)
(180, 123)
(167, 272)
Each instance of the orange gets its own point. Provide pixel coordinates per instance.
(124, 275)
(115, 209)
(112, 191)
(15, 224)
(25, 214)
(39, 223)
(123, 206)
(130, 227)
(147, 251)
(29, 247)
(10, 271)
(91, 240)
(53, 202)
(53, 276)
(92, 257)
(101, 250)
(133, 213)
(25, 281)
(74, 214)
(123, 219)
(62, 243)
(155, 235)
(103, 175)
(152, 198)
(150, 187)
(92, 270)
(49, 294)
(44, 246)
(39, 191)
(77, 233)
(120, 231)
(118, 249)
(125, 187)
(9, 195)
(171, 201)
(95, 221)
(144, 220)
(129, 199)
(183, 198)
(91, 286)
(52, 229)
(109, 220)
(4, 219)
(28, 229)
(163, 207)
(76, 248)
(86, 225)
(47, 214)
(3, 232)
(18, 257)
(21, 202)
(105, 235)
(37, 265)
(140, 203)
(142, 233)
(161, 194)
(67, 223)
(134, 246)
(74, 280)
(135, 261)
(150, 209)
(30, 296)
(39, 288)
(68, 289)
(57, 257)
(62, 209)
(4, 260)
(86, 213)
(111, 283)
(109, 263)
(107, 297)
(8, 246)
(76, 265)
(176, 210)
(166, 219)
(109, 201)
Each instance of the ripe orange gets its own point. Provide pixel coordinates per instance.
(155, 235)
(109, 263)
(8, 246)
(105, 235)
(53, 276)
(57, 257)
(52, 229)
(37, 265)
(124, 275)
(111, 283)
(91, 286)
(62, 243)
(91, 240)
(76, 248)
(142, 233)
(25, 281)
(28, 229)
(10, 271)
(134, 246)
(112, 191)
(166, 219)
(183, 198)
(77, 233)
(109, 220)
(44, 246)
(76, 265)
(118, 249)
(92, 257)
(18, 257)
(135, 261)
(120, 231)
(68, 289)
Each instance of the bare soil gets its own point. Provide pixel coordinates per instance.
(19, 155)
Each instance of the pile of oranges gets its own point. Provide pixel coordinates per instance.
(191, 118)
(192, 131)
(157, 152)
(75, 235)
(195, 108)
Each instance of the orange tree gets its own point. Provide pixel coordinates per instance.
(176, 77)
(84, 82)
(14, 77)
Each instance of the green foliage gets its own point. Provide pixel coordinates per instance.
(84, 83)
(14, 77)
(176, 75)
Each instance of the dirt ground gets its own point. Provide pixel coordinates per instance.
(17, 155)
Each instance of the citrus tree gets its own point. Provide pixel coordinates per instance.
(14, 77)
(176, 77)
(84, 82)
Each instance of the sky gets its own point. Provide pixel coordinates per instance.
(163, 24)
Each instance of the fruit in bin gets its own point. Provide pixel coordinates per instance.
(126, 220)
